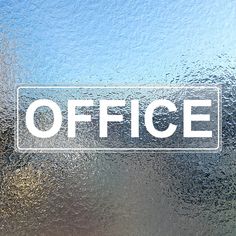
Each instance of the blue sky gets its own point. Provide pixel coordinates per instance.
(117, 41)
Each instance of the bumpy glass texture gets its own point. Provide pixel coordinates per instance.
(87, 134)
(105, 42)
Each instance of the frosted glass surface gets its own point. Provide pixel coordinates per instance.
(120, 42)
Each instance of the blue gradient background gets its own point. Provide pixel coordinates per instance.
(118, 41)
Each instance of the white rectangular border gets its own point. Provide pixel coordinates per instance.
(217, 87)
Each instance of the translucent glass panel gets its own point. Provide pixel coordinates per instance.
(124, 42)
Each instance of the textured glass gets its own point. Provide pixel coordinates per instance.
(119, 134)
(105, 42)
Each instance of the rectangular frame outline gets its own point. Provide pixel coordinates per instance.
(219, 115)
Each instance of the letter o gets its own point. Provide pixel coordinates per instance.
(56, 115)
